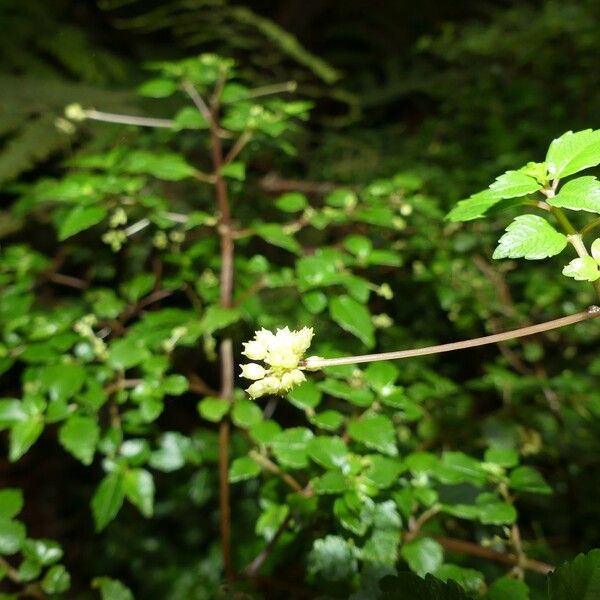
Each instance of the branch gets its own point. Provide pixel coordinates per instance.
(269, 465)
(591, 313)
(274, 183)
(97, 115)
(252, 568)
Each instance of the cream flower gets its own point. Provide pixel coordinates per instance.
(281, 352)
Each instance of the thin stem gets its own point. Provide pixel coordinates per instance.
(238, 147)
(269, 465)
(275, 88)
(590, 227)
(97, 115)
(198, 100)
(254, 567)
(591, 313)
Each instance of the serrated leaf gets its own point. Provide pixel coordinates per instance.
(407, 585)
(375, 431)
(353, 317)
(107, 500)
(469, 579)
(530, 237)
(514, 184)
(423, 555)
(579, 578)
(473, 207)
(79, 219)
(573, 152)
(23, 435)
(582, 193)
(328, 451)
(79, 435)
(306, 395)
(138, 486)
(584, 268)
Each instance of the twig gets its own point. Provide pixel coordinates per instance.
(269, 465)
(199, 386)
(252, 568)
(69, 281)
(473, 549)
(591, 313)
(97, 115)
(198, 100)
(237, 147)
(274, 183)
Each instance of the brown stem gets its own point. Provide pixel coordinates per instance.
(69, 281)
(199, 386)
(274, 183)
(591, 313)
(455, 545)
(269, 465)
(226, 300)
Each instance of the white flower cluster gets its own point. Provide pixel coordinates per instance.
(281, 352)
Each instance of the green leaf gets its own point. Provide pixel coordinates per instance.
(190, 118)
(528, 479)
(382, 547)
(290, 447)
(23, 435)
(168, 166)
(11, 502)
(11, 412)
(79, 219)
(584, 268)
(306, 395)
(330, 420)
(158, 88)
(218, 317)
(508, 588)
(505, 457)
(63, 381)
(107, 500)
(328, 451)
(112, 589)
(513, 184)
(274, 234)
(291, 202)
(12, 535)
(314, 301)
(375, 431)
(57, 580)
(234, 170)
(333, 558)
(457, 467)
(469, 579)
(79, 435)
(582, 193)
(383, 471)
(331, 482)
(381, 376)
(353, 317)
(579, 578)
(530, 237)
(405, 585)
(138, 486)
(573, 152)
(473, 207)
(423, 555)
(44, 552)
(340, 389)
(213, 409)
(137, 287)
(243, 468)
(246, 414)
(497, 513)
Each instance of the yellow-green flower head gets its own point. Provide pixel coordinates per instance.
(281, 352)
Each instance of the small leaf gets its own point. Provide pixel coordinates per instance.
(80, 218)
(234, 170)
(423, 555)
(157, 88)
(23, 435)
(469, 579)
(11, 502)
(573, 152)
(473, 207)
(12, 535)
(291, 202)
(57, 580)
(107, 500)
(79, 435)
(138, 485)
(579, 578)
(246, 414)
(330, 420)
(274, 234)
(333, 558)
(218, 317)
(328, 451)
(137, 287)
(213, 409)
(530, 237)
(508, 588)
(584, 268)
(497, 513)
(505, 457)
(528, 479)
(582, 193)
(407, 585)
(243, 468)
(112, 589)
(353, 317)
(306, 395)
(375, 431)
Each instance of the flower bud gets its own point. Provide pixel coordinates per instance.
(254, 350)
(291, 379)
(253, 371)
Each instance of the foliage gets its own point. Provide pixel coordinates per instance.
(434, 477)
